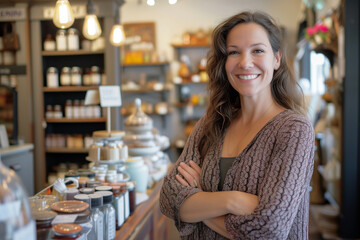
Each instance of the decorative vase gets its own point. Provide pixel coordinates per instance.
(138, 172)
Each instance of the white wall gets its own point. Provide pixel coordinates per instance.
(172, 21)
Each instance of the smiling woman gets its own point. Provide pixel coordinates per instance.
(245, 170)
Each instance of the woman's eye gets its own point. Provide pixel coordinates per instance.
(258, 51)
(232, 53)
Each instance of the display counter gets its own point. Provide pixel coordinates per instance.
(20, 158)
(146, 222)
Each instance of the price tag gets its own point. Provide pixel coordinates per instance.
(66, 218)
(110, 96)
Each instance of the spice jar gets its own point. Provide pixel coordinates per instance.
(73, 39)
(68, 109)
(65, 76)
(61, 44)
(76, 109)
(49, 112)
(76, 76)
(52, 77)
(87, 80)
(95, 75)
(57, 112)
(49, 43)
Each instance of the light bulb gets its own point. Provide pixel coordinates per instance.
(91, 29)
(172, 2)
(117, 35)
(150, 2)
(63, 15)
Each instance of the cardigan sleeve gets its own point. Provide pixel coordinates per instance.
(173, 194)
(285, 183)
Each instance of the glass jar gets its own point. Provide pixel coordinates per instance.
(138, 172)
(52, 77)
(109, 215)
(87, 81)
(73, 39)
(119, 206)
(76, 108)
(65, 76)
(76, 76)
(138, 121)
(49, 112)
(82, 109)
(49, 43)
(57, 112)
(61, 40)
(95, 75)
(97, 217)
(132, 195)
(68, 109)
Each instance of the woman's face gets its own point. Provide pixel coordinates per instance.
(251, 61)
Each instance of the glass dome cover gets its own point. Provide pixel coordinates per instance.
(138, 121)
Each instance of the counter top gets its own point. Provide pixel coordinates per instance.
(15, 149)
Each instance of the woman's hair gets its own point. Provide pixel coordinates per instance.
(224, 99)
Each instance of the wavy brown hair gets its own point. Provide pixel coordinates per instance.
(224, 99)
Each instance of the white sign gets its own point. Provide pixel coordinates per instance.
(110, 96)
(12, 14)
(79, 11)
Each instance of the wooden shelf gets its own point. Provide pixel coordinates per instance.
(13, 70)
(144, 64)
(75, 120)
(67, 150)
(69, 53)
(190, 45)
(70, 89)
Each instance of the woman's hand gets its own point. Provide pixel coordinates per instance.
(190, 174)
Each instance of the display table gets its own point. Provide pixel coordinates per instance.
(20, 159)
(146, 222)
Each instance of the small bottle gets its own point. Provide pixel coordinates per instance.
(65, 76)
(96, 111)
(95, 75)
(49, 112)
(125, 190)
(119, 206)
(82, 109)
(68, 109)
(132, 196)
(58, 112)
(76, 76)
(97, 217)
(73, 39)
(52, 77)
(76, 108)
(49, 43)
(87, 81)
(61, 41)
(109, 215)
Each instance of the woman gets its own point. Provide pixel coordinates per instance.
(246, 167)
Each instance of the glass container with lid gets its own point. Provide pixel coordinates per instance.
(65, 76)
(138, 121)
(73, 39)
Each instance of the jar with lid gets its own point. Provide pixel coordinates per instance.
(58, 112)
(97, 216)
(49, 112)
(96, 111)
(138, 172)
(61, 40)
(68, 109)
(76, 76)
(65, 76)
(49, 43)
(73, 39)
(52, 77)
(95, 75)
(76, 108)
(109, 215)
(119, 206)
(82, 109)
(87, 80)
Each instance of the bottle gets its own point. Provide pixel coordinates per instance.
(95, 75)
(76, 76)
(16, 221)
(97, 217)
(68, 109)
(119, 206)
(73, 39)
(109, 215)
(49, 43)
(52, 77)
(138, 172)
(76, 108)
(65, 76)
(61, 43)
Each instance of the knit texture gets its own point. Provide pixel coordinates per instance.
(276, 166)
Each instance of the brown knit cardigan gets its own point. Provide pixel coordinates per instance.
(276, 166)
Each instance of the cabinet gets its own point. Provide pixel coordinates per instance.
(148, 81)
(192, 97)
(67, 122)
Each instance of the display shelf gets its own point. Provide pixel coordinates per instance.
(67, 150)
(182, 45)
(13, 70)
(70, 89)
(70, 53)
(144, 64)
(75, 120)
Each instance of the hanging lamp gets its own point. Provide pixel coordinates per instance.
(91, 28)
(117, 34)
(63, 14)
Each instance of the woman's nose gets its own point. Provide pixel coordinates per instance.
(245, 61)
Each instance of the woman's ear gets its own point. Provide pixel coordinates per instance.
(277, 60)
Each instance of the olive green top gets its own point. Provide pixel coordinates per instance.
(225, 164)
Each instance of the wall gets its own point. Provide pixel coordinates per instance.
(190, 15)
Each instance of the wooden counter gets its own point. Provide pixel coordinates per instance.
(146, 222)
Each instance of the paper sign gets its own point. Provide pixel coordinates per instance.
(92, 97)
(110, 96)
(66, 218)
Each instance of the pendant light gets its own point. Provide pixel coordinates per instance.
(63, 15)
(91, 28)
(117, 35)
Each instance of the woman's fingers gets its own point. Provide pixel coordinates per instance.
(190, 175)
(195, 167)
(181, 180)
